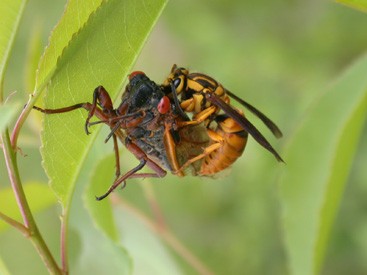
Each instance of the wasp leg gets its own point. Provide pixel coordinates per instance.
(199, 117)
(144, 160)
(188, 105)
(218, 142)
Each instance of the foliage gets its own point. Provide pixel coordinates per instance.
(302, 63)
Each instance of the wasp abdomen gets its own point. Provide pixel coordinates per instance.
(233, 141)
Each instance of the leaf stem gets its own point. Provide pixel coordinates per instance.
(17, 225)
(29, 222)
(11, 165)
(22, 118)
(63, 241)
(27, 109)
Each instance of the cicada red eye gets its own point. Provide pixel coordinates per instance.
(133, 74)
(164, 105)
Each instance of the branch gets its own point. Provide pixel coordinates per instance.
(17, 225)
(29, 222)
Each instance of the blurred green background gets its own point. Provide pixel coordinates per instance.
(277, 55)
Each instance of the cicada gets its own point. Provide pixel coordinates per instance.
(148, 123)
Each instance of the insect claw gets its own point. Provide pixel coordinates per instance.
(86, 128)
(97, 198)
(108, 137)
(102, 197)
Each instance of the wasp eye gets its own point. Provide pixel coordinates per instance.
(164, 105)
(177, 82)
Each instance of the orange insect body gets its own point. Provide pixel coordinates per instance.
(234, 140)
(205, 98)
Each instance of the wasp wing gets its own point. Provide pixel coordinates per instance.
(245, 124)
(270, 124)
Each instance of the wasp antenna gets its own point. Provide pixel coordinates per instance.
(267, 121)
(178, 108)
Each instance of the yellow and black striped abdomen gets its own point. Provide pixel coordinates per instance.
(234, 140)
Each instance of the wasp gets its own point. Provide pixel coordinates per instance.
(146, 122)
(209, 103)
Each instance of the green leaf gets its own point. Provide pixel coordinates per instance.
(7, 113)
(145, 247)
(150, 255)
(101, 211)
(76, 14)
(11, 11)
(34, 52)
(110, 257)
(356, 4)
(318, 160)
(39, 196)
(96, 253)
(101, 214)
(102, 52)
(3, 269)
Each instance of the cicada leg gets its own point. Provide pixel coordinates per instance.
(144, 160)
(170, 147)
(100, 97)
(117, 157)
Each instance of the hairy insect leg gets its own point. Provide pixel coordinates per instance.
(144, 160)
